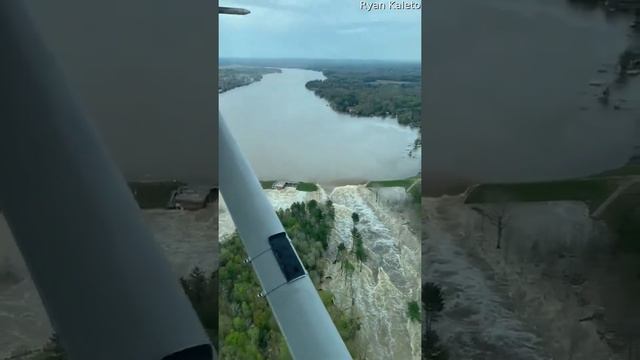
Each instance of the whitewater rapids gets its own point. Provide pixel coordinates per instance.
(381, 288)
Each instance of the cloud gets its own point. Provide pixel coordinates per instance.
(320, 28)
(356, 30)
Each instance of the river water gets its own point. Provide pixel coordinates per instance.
(143, 72)
(289, 133)
(508, 94)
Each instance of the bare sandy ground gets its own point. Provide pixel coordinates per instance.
(188, 239)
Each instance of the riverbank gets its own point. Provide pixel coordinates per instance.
(356, 88)
(231, 77)
(310, 139)
(372, 90)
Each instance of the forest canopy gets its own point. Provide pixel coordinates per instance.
(248, 329)
(373, 91)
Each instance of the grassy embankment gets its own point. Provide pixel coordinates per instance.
(592, 191)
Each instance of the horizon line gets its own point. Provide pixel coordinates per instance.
(322, 59)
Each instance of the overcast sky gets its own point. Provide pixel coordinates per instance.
(334, 29)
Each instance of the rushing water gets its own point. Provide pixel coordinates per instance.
(185, 236)
(477, 322)
(389, 279)
(508, 94)
(382, 287)
(289, 133)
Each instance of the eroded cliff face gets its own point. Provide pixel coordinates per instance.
(554, 289)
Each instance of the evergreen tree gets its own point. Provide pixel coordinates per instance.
(356, 218)
(432, 302)
(413, 311)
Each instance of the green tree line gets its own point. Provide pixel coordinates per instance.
(393, 91)
(247, 327)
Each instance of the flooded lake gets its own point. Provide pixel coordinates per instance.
(508, 94)
(289, 133)
(146, 83)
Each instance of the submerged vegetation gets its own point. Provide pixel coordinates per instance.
(247, 327)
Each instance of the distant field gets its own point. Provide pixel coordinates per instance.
(592, 191)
